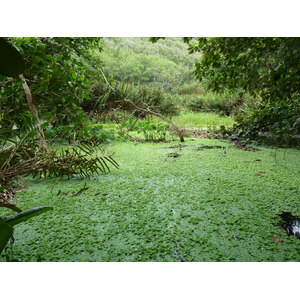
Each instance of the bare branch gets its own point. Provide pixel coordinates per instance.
(32, 108)
(146, 110)
(151, 112)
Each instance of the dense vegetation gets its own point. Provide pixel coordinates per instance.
(97, 119)
(267, 68)
(135, 60)
(59, 72)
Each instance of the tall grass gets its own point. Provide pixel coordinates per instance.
(193, 120)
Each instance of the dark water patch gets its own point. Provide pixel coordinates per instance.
(138, 140)
(174, 154)
(197, 133)
(178, 146)
(290, 223)
(207, 147)
(175, 147)
(242, 145)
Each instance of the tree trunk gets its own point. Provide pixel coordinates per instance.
(33, 110)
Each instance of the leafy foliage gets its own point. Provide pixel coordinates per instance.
(87, 134)
(134, 60)
(151, 131)
(23, 156)
(59, 72)
(264, 67)
(268, 67)
(6, 232)
(26, 215)
(108, 98)
(271, 123)
(81, 160)
(225, 104)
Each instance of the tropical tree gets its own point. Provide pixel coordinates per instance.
(267, 68)
(59, 72)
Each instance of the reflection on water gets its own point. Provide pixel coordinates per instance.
(290, 224)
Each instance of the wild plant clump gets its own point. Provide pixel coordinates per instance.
(272, 123)
(107, 98)
(224, 104)
(23, 155)
(150, 131)
(82, 160)
(73, 134)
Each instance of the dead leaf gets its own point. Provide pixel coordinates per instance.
(276, 239)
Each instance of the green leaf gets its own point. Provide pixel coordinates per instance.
(6, 232)
(26, 214)
(11, 61)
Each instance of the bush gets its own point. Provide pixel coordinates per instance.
(271, 123)
(72, 133)
(150, 130)
(196, 103)
(224, 104)
(195, 88)
(113, 116)
(106, 99)
(59, 72)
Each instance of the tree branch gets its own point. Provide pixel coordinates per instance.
(33, 110)
(149, 111)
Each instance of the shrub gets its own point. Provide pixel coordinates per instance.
(195, 103)
(60, 73)
(112, 116)
(168, 107)
(271, 122)
(195, 88)
(106, 99)
(73, 133)
(150, 130)
(224, 104)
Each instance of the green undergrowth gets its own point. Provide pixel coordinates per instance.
(195, 203)
(193, 120)
(186, 119)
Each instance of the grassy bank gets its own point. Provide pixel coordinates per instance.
(204, 205)
(202, 121)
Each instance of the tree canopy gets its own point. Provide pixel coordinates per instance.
(134, 60)
(59, 72)
(268, 67)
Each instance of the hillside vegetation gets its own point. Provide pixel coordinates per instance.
(165, 64)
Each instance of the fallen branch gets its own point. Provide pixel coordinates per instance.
(80, 191)
(146, 110)
(11, 206)
(151, 112)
